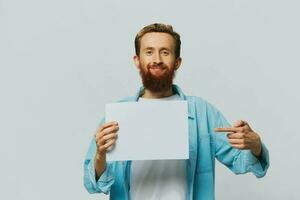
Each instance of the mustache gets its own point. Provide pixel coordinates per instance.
(160, 65)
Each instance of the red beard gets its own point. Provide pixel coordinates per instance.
(157, 78)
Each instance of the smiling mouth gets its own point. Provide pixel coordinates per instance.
(157, 68)
(157, 71)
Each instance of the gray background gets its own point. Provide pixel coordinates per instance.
(62, 60)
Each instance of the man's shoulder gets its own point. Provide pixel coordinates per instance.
(201, 103)
(196, 99)
(127, 99)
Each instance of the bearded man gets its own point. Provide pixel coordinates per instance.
(157, 58)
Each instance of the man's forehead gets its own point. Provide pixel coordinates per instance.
(157, 40)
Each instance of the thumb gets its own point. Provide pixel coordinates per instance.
(238, 123)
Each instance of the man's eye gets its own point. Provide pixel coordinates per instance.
(165, 53)
(148, 52)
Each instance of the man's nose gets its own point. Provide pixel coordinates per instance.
(157, 59)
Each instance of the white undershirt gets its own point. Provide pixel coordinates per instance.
(158, 179)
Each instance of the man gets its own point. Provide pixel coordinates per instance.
(241, 150)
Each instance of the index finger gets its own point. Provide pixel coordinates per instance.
(227, 129)
(106, 125)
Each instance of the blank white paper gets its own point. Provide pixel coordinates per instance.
(151, 130)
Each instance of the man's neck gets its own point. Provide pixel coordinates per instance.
(156, 95)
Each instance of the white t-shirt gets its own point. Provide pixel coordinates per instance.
(158, 179)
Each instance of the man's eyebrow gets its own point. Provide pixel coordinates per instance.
(165, 48)
(151, 48)
(148, 48)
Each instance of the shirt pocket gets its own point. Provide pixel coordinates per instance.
(205, 160)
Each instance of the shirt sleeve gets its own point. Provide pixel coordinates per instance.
(238, 161)
(103, 184)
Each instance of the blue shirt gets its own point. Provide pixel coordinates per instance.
(204, 146)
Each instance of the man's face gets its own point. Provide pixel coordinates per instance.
(156, 61)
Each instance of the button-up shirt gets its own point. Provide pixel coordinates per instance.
(205, 146)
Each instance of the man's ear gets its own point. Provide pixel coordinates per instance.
(177, 63)
(136, 61)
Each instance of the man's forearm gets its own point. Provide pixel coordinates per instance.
(100, 164)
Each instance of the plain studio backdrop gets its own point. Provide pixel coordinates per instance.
(62, 61)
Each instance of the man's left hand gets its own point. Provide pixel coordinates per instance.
(241, 136)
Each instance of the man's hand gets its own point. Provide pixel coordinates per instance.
(105, 137)
(241, 136)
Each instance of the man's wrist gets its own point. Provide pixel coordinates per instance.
(257, 150)
(99, 164)
(100, 155)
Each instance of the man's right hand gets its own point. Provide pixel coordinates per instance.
(105, 137)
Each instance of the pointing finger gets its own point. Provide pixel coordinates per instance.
(227, 129)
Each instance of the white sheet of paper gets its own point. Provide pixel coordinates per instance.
(151, 130)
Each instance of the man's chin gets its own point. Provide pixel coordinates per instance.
(157, 80)
(157, 77)
(158, 90)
